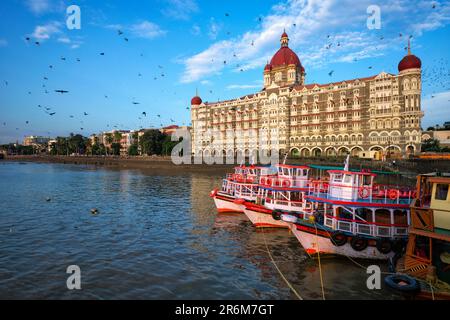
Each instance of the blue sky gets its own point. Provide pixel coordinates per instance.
(175, 47)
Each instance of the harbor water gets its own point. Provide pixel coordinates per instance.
(155, 236)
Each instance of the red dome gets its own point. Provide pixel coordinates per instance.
(409, 62)
(284, 35)
(196, 101)
(284, 57)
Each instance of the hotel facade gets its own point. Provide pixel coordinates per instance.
(381, 113)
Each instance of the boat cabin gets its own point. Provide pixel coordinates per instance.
(287, 176)
(282, 199)
(428, 250)
(350, 185)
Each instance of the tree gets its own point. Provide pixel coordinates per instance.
(115, 147)
(430, 129)
(151, 142)
(133, 150)
(431, 145)
(168, 145)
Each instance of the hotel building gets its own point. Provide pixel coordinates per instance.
(378, 113)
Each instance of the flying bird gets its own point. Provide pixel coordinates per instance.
(144, 114)
(134, 102)
(119, 32)
(330, 73)
(102, 53)
(62, 91)
(85, 114)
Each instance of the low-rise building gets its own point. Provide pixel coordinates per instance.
(443, 136)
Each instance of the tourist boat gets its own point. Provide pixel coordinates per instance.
(242, 184)
(349, 215)
(427, 256)
(285, 191)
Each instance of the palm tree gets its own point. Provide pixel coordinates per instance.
(109, 140)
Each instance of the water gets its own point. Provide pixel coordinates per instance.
(155, 237)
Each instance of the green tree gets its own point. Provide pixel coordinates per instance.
(133, 150)
(151, 142)
(431, 145)
(115, 147)
(168, 145)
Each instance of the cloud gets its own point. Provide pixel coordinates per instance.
(64, 40)
(308, 23)
(244, 86)
(73, 44)
(45, 32)
(195, 30)
(38, 6)
(214, 29)
(3, 43)
(147, 30)
(435, 108)
(180, 9)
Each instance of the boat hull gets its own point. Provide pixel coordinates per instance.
(225, 204)
(319, 243)
(262, 218)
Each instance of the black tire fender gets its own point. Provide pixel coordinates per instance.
(358, 243)
(338, 238)
(384, 246)
(276, 215)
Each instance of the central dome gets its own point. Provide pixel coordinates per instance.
(285, 56)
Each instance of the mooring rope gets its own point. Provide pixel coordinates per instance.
(278, 269)
(320, 266)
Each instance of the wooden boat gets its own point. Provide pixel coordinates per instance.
(283, 192)
(242, 184)
(427, 256)
(350, 215)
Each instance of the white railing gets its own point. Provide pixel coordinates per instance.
(369, 229)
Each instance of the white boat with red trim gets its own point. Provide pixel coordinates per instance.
(285, 192)
(242, 184)
(349, 215)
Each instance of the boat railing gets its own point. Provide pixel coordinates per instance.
(283, 182)
(375, 229)
(366, 193)
(290, 205)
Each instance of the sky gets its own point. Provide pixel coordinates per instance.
(167, 50)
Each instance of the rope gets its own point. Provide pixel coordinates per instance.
(320, 266)
(432, 291)
(278, 269)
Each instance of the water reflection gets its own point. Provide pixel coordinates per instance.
(157, 236)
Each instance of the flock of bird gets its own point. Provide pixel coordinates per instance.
(437, 76)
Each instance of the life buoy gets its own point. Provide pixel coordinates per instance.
(325, 185)
(286, 183)
(358, 243)
(269, 182)
(263, 181)
(250, 179)
(364, 192)
(384, 246)
(393, 194)
(338, 238)
(402, 282)
(277, 183)
(276, 215)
